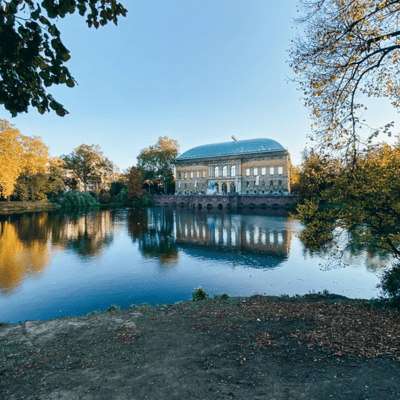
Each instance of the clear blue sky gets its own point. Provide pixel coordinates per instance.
(196, 71)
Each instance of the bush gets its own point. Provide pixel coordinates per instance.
(199, 294)
(390, 284)
(105, 198)
(74, 198)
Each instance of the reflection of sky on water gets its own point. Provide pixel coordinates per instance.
(60, 264)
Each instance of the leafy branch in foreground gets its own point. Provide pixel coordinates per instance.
(349, 49)
(32, 55)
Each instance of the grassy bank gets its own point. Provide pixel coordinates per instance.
(10, 207)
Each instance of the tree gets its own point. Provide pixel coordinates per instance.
(19, 154)
(43, 184)
(350, 48)
(88, 163)
(134, 184)
(156, 163)
(363, 200)
(32, 55)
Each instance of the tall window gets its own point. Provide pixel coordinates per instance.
(247, 171)
(271, 170)
(280, 170)
(263, 171)
(204, 173)
(186, 175)
(198, 174)
(255, 170)
(216, 172)
(179, 175)
(225, 171)
(191, 174)
(233, 170)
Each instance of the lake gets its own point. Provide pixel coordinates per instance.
(55, 264)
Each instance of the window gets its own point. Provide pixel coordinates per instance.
(263, 171)
(204, 174)
(198, 174)
(186, 175)
(255, 170)
(247, 184)
(225, 171)
(271, 170)
(233, 170)
(279, 183)
(216, 172)
(280, 170)
(271, 183)
(191, 174)
(191, 186)
(247, 171)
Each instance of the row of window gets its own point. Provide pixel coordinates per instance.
(255, 171)
(264, 170)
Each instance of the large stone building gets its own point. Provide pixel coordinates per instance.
(256, 166)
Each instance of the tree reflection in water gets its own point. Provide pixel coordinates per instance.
(154, 231)
(26, 241)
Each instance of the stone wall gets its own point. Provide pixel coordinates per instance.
(226, 201)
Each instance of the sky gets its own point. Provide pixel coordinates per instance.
(198, 71)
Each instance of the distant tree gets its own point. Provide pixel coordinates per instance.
(19, 155)
(88, 163)
(32, 55)
(134, 184)
(41, 185)
(116, 187)
(349, 49)
(156, 163)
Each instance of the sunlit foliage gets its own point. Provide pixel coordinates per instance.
(349, 48)
(156, 163)
(19, 155)
(32, 55)
(363, 198)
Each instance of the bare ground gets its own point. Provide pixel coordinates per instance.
(315, 347)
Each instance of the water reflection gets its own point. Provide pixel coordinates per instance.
(237, 237)
(154, 232)
(27, 240)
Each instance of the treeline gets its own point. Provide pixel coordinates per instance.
(85, 177)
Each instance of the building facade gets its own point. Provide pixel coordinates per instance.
(256, 166)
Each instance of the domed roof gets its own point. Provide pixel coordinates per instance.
(232, 148)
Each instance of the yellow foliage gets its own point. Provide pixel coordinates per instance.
(19, 154)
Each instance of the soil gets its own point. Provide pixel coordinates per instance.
(314, 347)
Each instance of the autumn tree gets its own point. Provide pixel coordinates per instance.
(134, 184)
(88, 164)
(349, 49)
(19, 155)
(363, 200)
(32, 54)
(156, 163)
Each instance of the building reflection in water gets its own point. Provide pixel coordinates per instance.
(27, 240)
(246, 239)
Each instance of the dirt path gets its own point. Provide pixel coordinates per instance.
(255, 348)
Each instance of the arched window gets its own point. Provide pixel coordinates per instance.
(216, 172)
(233, 170)
(225, 171)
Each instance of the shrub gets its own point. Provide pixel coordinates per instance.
(390, 283)
(199, 294)
(105, 198)
(74, 198)
(113, 307)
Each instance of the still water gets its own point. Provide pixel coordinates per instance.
(60, 264)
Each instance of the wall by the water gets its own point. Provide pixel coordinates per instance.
(226, 201)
